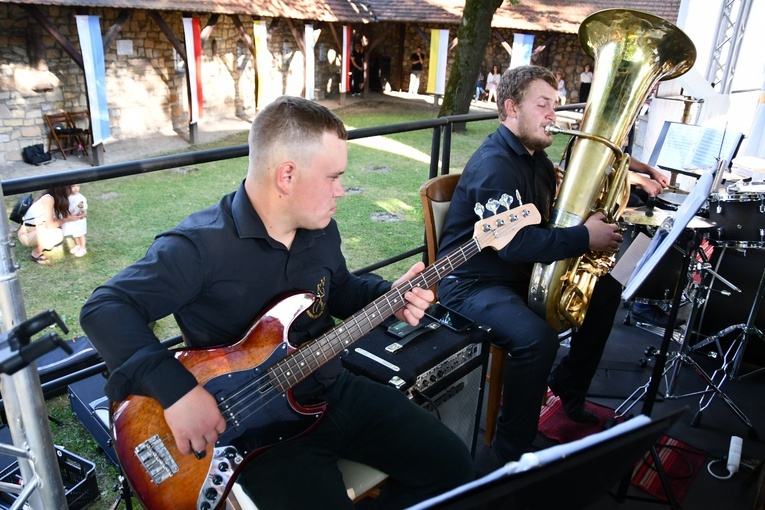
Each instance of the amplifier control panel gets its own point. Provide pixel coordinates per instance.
(442, 369)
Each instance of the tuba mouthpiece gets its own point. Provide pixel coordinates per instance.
(552, 129)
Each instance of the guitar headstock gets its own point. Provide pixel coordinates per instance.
(498, 230)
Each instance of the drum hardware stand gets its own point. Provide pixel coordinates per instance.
(732, 360)
(676, 360)
(651, 390)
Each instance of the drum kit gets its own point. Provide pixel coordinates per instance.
(727, 259)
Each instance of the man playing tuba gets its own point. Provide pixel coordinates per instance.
(491, 288)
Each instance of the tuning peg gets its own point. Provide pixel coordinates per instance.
(505, 200)
(478, 209)
(518, 196)
(492, 205)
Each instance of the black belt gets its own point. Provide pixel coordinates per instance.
(30, 225)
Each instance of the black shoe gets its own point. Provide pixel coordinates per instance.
(573, 404)
(653, 315)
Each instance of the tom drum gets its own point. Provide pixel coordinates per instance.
(740, 219)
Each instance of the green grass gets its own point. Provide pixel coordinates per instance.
(125, 214)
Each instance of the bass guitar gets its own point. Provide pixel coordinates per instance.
(252, 380)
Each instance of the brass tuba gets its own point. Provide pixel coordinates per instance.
(632, 51)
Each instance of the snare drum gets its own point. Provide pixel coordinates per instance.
(670, 201)
(740, 219)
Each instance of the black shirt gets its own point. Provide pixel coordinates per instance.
(502, 165)
(416, 62)
(215, 273)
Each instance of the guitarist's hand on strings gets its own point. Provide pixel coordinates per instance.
(195, 421)
(418, 299)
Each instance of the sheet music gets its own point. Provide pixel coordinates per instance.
(540, 458)
(690, 147)
(667, 234)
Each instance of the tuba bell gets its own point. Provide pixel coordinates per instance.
(632, 52)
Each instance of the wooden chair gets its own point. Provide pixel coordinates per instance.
(65, 135)
(436, 195)
(81, 120)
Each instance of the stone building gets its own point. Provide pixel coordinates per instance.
(146, 85)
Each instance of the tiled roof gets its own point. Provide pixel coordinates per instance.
(532, 15)
(349, 11)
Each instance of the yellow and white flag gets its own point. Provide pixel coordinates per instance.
(439, 49)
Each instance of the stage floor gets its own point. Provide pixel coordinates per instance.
(624, 370)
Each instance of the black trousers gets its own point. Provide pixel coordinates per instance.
(532, 344)
(369, 423)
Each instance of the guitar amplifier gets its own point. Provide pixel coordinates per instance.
(442, 370)
(91, 407)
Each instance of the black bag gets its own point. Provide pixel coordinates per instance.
(36, 155)
(21, 208)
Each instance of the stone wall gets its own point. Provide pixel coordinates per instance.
(147, 90)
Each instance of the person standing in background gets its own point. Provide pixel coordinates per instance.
(357, 69)
(414, 79)
(479, 90)
(491, 83)
(585, 81)
(78, 207)
(561, 88)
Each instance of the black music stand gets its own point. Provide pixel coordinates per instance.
(662, 241)
(571, 475)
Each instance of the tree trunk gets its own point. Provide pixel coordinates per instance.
(473, 36)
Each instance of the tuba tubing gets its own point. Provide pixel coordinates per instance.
(632, 52)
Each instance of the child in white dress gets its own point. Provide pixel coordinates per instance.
(77, 229)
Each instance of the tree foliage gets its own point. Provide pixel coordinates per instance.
(473, 36)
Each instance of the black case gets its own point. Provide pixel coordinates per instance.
(92, 409)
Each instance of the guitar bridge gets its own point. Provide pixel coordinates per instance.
(156, 460)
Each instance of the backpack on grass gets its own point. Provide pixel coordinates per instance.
(21, 208)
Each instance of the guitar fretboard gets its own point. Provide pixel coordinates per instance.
(303, 362)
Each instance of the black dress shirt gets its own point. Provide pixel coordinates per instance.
(215, 273)
(502, 165)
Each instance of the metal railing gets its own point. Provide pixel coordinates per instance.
(22, 392)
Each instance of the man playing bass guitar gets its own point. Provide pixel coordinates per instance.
(216, 272)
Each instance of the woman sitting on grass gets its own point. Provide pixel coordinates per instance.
(41, 227)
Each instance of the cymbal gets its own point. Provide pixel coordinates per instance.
(639, 216)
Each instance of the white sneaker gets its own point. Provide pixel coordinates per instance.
(81, 252)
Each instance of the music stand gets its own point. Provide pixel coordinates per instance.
(581, 472)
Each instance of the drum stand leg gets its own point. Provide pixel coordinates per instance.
(732, 363)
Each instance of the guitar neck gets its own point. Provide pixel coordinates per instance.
(494, 232)
(306, 360)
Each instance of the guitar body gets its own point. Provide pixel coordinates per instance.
(160, 476)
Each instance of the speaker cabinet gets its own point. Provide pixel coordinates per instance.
(443, 371)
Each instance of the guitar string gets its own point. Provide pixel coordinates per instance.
(468, 250)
